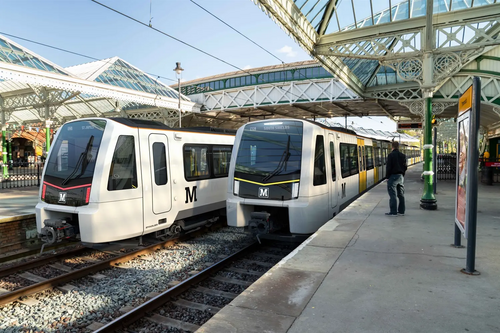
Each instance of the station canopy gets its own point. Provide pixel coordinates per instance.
(391, 50)
(34, 89)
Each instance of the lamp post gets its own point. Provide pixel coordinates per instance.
(178, 69)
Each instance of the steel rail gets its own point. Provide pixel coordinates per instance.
(143, 309)
(8, 270)
(34, 251)
(26, 291)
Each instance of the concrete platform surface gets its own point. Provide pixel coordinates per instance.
(364, 271)
(18, 201)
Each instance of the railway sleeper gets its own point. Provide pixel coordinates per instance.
(233, 281)
(170, 322)
(196, 306)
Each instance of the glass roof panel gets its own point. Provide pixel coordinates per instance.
(123, 75)
(10, 53)
(353, 14)
(460, 4)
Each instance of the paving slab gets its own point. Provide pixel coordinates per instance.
(249, 321)
(289, 290)
(311, 259)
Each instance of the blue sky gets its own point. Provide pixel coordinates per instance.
(85, 27)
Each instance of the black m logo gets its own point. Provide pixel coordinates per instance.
(190, 195)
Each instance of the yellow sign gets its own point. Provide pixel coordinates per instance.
(465, 101)
(38, 151)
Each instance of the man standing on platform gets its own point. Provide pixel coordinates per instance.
(396, 168)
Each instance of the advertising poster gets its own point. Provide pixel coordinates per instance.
(463, 132)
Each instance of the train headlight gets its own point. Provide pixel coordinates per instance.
(236, 187)
(295, 190)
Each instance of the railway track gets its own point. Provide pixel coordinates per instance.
(187, 305)
(125, 281)
(51, 266)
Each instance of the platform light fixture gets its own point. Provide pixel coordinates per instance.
(178, 69)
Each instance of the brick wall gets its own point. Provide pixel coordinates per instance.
(18, 233)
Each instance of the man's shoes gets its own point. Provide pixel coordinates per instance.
(391, 214)
(401, 214)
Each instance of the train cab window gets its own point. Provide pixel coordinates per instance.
(332, 161)
(160, 163)
(319, 162)
(221, 158)
(369, 157)
(196, 162)
(123, 171)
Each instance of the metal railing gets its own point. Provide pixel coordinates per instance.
(21, 175)
(446, 166)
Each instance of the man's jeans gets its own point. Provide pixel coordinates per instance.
(395, 183)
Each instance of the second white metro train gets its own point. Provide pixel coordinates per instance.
(291, 176)
(110, 179)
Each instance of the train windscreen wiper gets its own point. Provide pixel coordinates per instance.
(282, 163)
(83, 160)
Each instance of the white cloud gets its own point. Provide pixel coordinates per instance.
(247, 67)
(288, 51)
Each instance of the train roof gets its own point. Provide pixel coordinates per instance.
(338, 129)
(151, 124)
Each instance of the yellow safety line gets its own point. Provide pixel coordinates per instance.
(248, 181)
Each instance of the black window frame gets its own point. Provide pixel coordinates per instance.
(350, 163)
(111, 177)
(332, 161)
(209, 160)
(319, 170)
(160, 163)
(369, 158)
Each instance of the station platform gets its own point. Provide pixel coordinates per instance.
(18, 202)
(364, 271)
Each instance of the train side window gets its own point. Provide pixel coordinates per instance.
(319, 162)
(345, 161)
(369, 157)
(196, 162)
(332, 161)
(221, 158)
(160, 163)
(123, 171)
(353, 153)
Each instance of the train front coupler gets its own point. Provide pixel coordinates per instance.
(57, 230)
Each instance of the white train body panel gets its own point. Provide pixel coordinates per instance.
(158, 195)
(262, 152)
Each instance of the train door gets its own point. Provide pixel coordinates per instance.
(160, 184)
(362, 165)
(333, 179)
(376, 158)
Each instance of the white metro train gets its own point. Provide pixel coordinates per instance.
(289, 176)
(107, 180)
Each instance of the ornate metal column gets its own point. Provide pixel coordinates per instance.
(5, 170)
(428, 200)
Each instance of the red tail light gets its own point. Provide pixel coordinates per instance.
(43, 191)
(87, 196)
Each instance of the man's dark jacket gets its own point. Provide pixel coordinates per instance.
(396, 163)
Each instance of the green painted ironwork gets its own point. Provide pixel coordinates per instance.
(5, 171)
(428, 198)
(292, 74)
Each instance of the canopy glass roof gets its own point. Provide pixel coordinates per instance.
(17, 55)
(331, 17)
(117, 72)
(353, 14)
